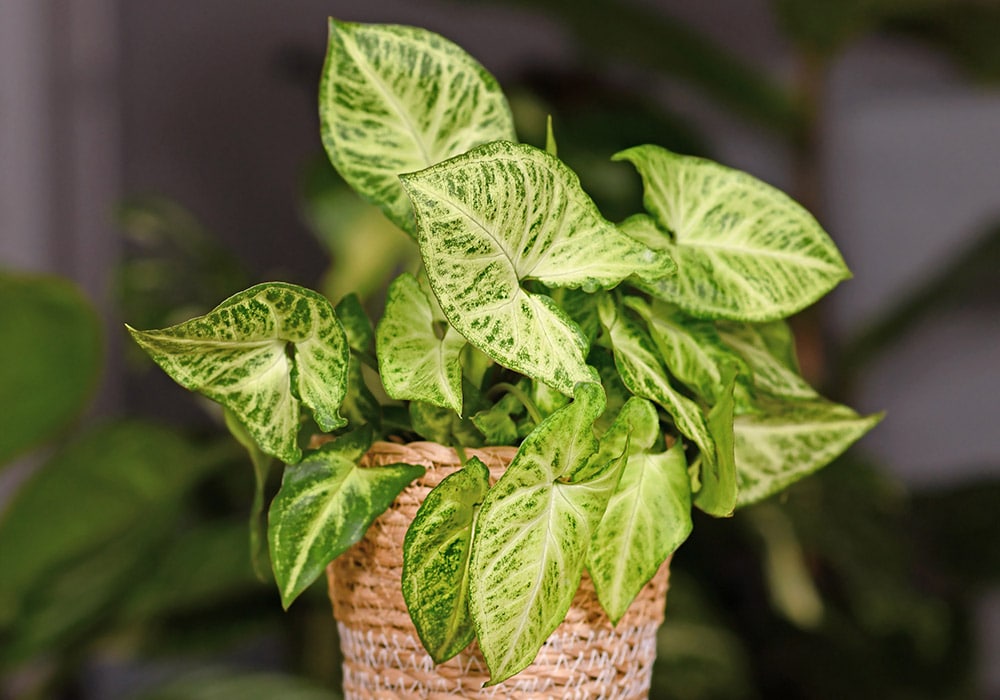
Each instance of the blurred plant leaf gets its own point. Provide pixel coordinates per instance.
(50, 355)
(262, 463)
(88, 518)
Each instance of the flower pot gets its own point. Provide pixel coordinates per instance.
(586, 657)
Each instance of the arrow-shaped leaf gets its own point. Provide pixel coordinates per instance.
(396, 99)
(502, 214)
(533, 532)
(325, 504)
(436, 561)
(744, 250)
(648, 516)
(259, 354)
(419, 354)
(791, 439)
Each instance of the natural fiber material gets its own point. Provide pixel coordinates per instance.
(584, 658)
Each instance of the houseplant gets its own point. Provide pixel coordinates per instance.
(638, 369)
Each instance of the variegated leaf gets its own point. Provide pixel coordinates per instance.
(691, 348)
(436, 561)
(643, 373)
(719, 483)
(260, 353)
(744, 250)
(791, 439)
(418, 354)
(648, 516)
(770, 372)
(500, 215)
(396, 99)
(533, 532)
(325, 504)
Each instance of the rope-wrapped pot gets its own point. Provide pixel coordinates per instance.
(586, 657)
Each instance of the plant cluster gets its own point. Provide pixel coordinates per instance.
(641, 368)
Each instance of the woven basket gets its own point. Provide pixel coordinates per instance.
(584, 658)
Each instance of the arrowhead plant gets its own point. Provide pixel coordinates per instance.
(642, 368)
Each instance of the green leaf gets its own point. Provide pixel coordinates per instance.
(436, 555)
(533, 532)
(719, 481)
(396, 99)
(50, 354)
(648, 516)
(325, 504)
(744, 250)
(769, 364)
(789, 440)
(357, 325)
(500, 215)
(219, 684)
(262, 463)
(419, 354)
(259, 354)
(550, 138)
(443, 425)
(96, 489)
(692, 349)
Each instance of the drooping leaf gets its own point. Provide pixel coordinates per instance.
(419, 354)
(261, 463)
(789, 440)
(503, 214)
(744, 250)
(769, 366)
(325, 504)
(648, 516)
(436, 555)
(691, 349)
(719, 481)
(397, 99)
(259, 354)
(533, 532)
(643, 374)
(50, 349)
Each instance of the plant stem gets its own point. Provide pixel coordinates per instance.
(520, 395)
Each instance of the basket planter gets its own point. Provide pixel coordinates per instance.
(586, 657)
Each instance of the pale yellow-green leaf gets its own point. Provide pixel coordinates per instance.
(395, 99)
(744, 250)
(260, 354)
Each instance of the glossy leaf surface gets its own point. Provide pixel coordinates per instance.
(501, 215)
(436, 555)
(396, 99)
(325, 504)
(419, 354)
(744, 250)
(533, 532)
(648, 516)
(260, 354)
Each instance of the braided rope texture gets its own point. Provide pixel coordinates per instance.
(585, 658)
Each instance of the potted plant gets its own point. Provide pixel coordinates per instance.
(609, 376)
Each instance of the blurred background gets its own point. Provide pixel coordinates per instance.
(157, 157)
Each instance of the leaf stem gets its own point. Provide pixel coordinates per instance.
(520, 395)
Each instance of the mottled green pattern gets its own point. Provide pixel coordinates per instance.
(414, 362)
(533, 532)
(648, 516)
(325, 504)
(643, 374)
(436, 561)
(718, 494)
(396, 99)
(692, 349)
(744, 250)
(790, 440)
(505, 213)
(260, 353)
(769, 372)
